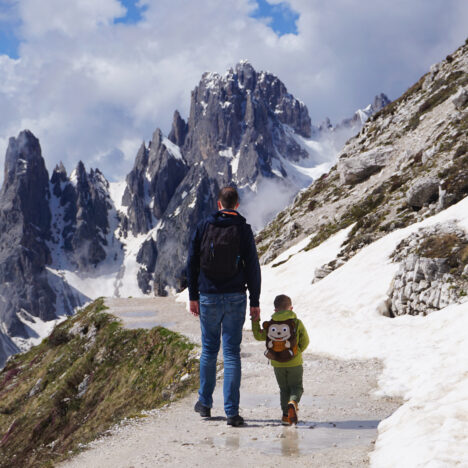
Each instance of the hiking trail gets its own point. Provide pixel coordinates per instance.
(338, 414)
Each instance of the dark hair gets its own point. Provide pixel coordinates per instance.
(282, 302)
(228, 197)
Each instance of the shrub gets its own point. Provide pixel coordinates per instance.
(58, 337)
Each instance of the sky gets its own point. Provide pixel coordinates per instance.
(92, 80)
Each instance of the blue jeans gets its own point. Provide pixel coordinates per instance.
(221, 314)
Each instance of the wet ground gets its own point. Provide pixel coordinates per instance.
(338, 414)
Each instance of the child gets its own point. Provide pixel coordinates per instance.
(288, 341)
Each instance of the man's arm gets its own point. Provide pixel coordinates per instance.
(193, 271)
(252, 271)
(258, 333)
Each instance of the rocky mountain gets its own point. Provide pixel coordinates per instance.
(45, 226)
(67, 238)
(243, 128)
(81, 214)
(341, 132)
(24, 232)
(407, 163)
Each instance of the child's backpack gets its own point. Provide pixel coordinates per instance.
(220, 255)
(281, 340)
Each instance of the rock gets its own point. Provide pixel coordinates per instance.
(423, 192)
(423, 285)
(460, 99)
(36, 389)
(179, 130)
(321, 272)
(147, 256)
(326, 269)
(83, 386)
(359, 168)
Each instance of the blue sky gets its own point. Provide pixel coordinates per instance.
(134, 14)
(281, 18)
(96, 78)
(8, 30)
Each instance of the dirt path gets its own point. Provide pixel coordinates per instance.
(338, 416)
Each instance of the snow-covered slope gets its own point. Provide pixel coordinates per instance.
(425, 358)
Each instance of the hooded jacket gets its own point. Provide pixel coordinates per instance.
(247, 277)
(302, 336)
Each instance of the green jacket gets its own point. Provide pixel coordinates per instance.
(301, 333)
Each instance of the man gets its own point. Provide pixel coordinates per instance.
(222, 263)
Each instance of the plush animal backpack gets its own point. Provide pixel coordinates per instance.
(281, 340)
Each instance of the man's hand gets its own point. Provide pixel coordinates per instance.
(255, 313)
(195, 308)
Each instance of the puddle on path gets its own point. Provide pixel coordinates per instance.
(268, 436)
(305, 438)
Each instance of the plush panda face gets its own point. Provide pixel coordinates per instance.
(279, 332)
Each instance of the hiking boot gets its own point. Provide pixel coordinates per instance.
(235, 421)
(285, 420)
(292, 412)
(204, 411)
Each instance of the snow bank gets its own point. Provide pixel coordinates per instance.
(425, 358)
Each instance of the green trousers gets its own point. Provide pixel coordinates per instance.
(290, 383)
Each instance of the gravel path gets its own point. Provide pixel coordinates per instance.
(338, 415)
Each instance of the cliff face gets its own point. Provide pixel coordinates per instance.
(45, 227)
(24, 231)
(81, 215)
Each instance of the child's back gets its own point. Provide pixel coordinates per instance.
(286, 339)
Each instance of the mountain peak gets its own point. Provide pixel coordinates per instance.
(380, 101)
(21, 151)
(60, 168)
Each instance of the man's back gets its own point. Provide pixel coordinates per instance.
(246, 275)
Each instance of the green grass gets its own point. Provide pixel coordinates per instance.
(128, 371)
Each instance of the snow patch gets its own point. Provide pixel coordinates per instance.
(227, 153)
(235, 163)
(421, 355)
(173, 149)
(116, 192)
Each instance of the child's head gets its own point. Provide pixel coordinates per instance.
(282, 302)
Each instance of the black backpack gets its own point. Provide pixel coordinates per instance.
(220, 254)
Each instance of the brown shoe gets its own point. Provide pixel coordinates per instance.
(292, 412)
(285, 420)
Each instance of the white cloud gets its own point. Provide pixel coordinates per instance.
(86, 86)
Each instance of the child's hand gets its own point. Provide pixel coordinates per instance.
(255, 313)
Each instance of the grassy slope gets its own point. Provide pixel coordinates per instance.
(43, 418)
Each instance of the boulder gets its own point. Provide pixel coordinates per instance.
(422, 284)
(460, 99)
(356, 169)
(423, 192)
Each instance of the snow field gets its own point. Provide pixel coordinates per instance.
(425, 358)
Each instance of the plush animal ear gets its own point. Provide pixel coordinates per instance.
(265, 325)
